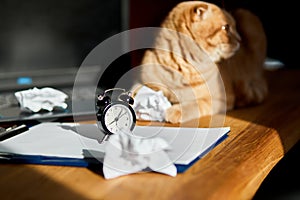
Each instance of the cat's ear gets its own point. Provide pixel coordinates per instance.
(199, 12)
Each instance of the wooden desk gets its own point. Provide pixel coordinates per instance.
(259, 138)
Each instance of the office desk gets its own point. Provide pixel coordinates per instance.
(260, 136)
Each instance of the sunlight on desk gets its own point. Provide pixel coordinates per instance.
(260, 136)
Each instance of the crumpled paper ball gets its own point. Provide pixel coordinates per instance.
(150, 105)
(41, 99)
(127, 154)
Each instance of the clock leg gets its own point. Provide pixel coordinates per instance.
(105, 138)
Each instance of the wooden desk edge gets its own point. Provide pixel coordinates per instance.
(232, 170)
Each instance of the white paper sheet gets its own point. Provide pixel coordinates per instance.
(73, 140)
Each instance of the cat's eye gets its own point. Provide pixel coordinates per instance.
(226, 27)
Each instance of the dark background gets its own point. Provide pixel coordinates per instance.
(60, 33)
(54, 33)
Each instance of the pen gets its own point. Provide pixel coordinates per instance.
(47, 160)
(12, 131)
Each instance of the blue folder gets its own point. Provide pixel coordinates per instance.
(78, 162)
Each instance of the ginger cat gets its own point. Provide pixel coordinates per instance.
(220, 70)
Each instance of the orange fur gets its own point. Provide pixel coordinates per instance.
(189, 75)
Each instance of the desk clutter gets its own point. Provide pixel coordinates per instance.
(167, 150)
(37, 99)
(150, 104)
(128, 149)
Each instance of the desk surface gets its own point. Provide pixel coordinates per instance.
(259, 138)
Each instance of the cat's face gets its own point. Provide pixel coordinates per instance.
(214, 29)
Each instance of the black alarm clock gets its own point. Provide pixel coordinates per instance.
(115, 113)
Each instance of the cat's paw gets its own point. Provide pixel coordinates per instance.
(173, 114)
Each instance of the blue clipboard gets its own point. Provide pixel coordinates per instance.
(78, 162)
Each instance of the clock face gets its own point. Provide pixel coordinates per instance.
(118, 117)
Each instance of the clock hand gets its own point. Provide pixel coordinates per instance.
(122, 115)
(117, 118)
(112, 122)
